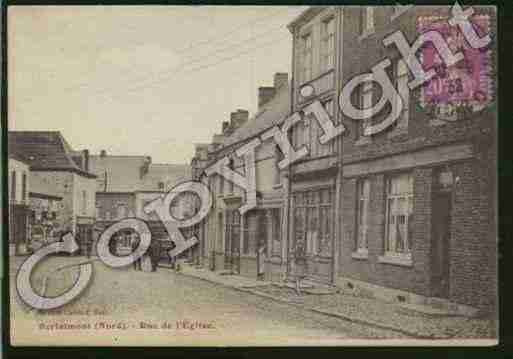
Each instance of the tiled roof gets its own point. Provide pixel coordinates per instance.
(123, 172)
(168, 174)
(273, 113)
(43, 150)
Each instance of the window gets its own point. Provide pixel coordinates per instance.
(306, 58)
(121, 210)
(255, 231)
(328, 44)
(84, 202)
(362, 205)
(399, 10)
(24, 187)
(161, 186)
(365, 102)
(313, 221)
(107, 215)
(278, 155)
(401, 84)
(98, 212)
(13, 186)
(367, 20)
(275, 218)
(399, 215)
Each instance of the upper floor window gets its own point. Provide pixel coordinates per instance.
(401, 84)
(399, 214)
(365, 102)
(328, 44)
(367, 20)
(362, 204)
(306, 58)
(13, 186)
(84, 202)
(121, 210)
(24, 186)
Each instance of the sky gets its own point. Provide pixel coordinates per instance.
(141, 80)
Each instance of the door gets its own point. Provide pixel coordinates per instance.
(312, 234)
(232, 241)
(440, 240)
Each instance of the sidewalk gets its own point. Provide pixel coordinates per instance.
(357, 309)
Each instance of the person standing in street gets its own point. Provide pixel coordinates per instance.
(154, 254)
(134, 244)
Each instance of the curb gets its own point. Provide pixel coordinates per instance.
(351, 319)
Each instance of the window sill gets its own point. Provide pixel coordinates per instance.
(278, 186)
(366, 33)
(360, 254)
(400, 260)
(364, 140)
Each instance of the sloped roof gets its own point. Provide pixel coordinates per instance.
(169, 174)
(123, 172)
(44, 151)
(272, 113)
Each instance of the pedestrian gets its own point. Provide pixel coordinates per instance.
(134, 244)
(154, 254)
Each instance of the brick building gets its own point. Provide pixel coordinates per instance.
(418, 199)
(314, 190)
(54, 164)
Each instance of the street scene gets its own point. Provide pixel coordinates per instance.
(181, 187)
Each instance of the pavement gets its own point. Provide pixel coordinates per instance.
(412, 321)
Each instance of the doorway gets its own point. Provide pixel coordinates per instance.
(440, 241)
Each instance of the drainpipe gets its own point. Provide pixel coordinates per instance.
(339, 228)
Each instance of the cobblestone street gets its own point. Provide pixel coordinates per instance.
(145, 301)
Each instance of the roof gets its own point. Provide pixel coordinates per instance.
(44, 151)
(123, 172)
(272, 113)
(169, 174)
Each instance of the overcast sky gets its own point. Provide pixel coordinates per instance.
(141, 80)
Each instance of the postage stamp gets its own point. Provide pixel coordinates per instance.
(468, 83)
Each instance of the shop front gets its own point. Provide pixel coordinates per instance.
(312, 232)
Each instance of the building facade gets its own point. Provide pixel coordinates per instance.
(56, 167)
(418, 199)
(18, 206)
(315, 180)
(250, 244)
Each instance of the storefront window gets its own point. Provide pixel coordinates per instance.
(313, 221)
(399, 214)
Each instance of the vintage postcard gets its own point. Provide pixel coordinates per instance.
(252, 175)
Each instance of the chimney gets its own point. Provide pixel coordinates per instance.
(103, 153)
(226, 124)
(265, 94)
(86, 160)
(238, 118)
(280, 79)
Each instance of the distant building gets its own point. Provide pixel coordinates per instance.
(62, 173)
(126, 184)
(254, 244)
(18, 205)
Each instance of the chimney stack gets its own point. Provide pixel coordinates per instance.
(238, 118)
(265, 94)
(280, 79)
(226, 124)
(86, 160)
